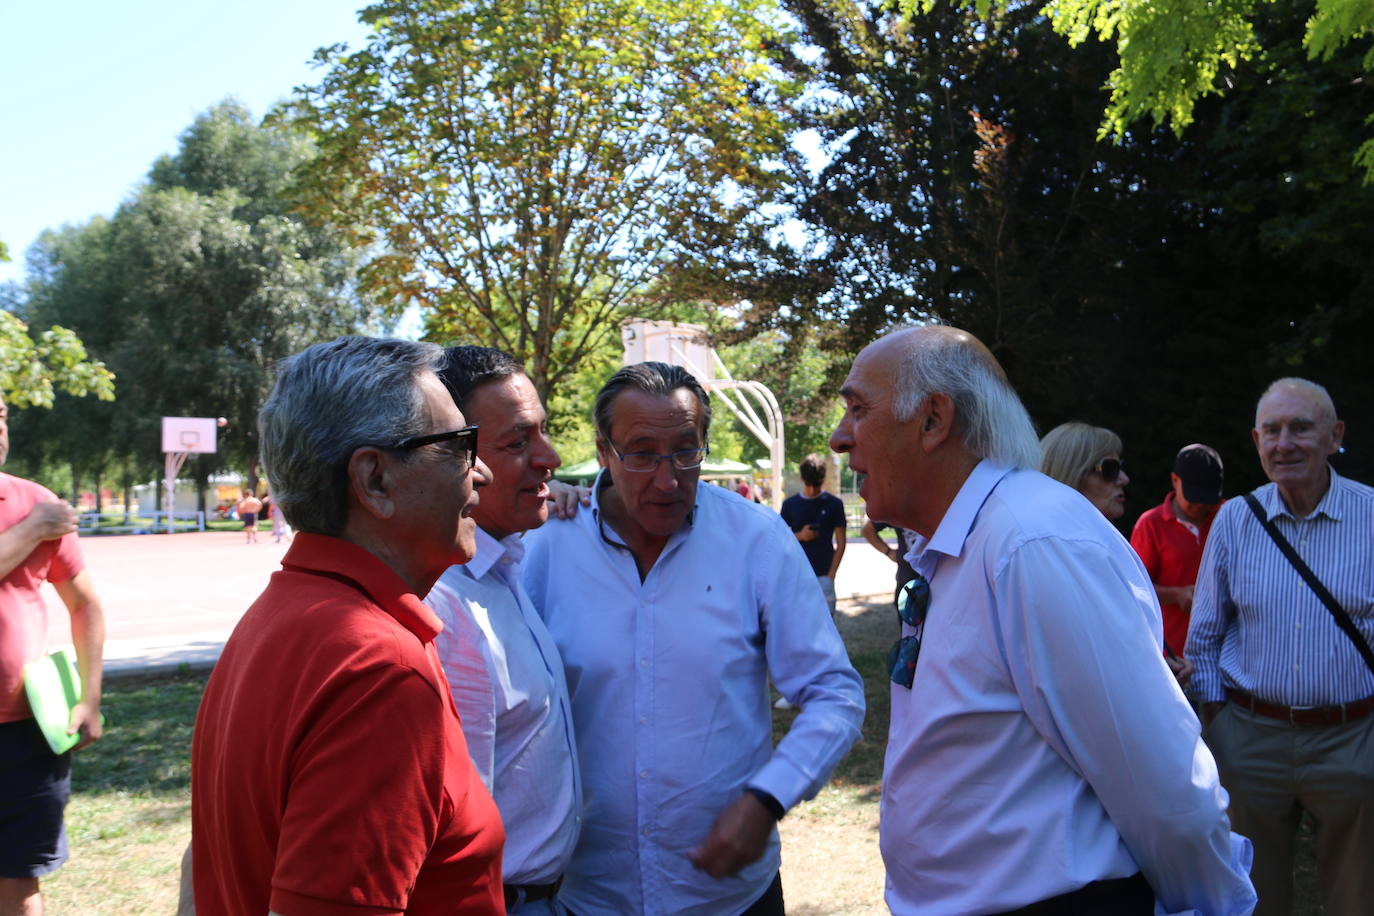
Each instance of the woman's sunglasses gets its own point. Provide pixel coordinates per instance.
(1110, 468)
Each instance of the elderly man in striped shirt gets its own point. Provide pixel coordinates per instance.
(1297, 733)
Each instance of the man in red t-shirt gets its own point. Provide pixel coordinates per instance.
(1169, 538)
(38, 544)
(329, 774)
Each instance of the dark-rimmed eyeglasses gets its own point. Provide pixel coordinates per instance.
(1109, 468)
(912, 601)
(684, 459)
(464, 446)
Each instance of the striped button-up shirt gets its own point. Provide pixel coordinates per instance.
(1258, 627)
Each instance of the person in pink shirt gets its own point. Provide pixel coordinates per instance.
(38, 544)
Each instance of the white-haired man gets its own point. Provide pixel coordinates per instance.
(1298, 731)
(1041, 758)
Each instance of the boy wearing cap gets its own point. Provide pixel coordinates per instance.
(1169, 538)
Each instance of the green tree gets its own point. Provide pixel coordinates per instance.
(200, 283)
(528, 169)
(1152, 286)
(31, 369)
(1174, 52)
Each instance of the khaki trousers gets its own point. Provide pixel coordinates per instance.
(1273, 772)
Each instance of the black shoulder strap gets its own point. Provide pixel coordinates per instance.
(1342, 618)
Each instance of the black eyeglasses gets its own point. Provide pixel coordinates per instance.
(912, 601)
(683, 459)
(1110, 468)
(464, 445)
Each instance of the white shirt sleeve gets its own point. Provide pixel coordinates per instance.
(1081, 650)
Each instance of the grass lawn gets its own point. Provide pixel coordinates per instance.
(129, 818)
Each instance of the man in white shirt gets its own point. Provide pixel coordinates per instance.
(672, 604)
(503, 668)
(1041, 758)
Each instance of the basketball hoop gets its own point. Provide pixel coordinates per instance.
(182, 437)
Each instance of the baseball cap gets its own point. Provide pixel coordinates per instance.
(1198, 466)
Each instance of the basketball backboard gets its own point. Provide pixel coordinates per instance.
(671, 342)
(195, 435)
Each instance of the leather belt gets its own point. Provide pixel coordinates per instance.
(1303, 715)
(518, 894)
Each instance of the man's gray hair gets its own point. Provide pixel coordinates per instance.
(328, 400)
(987, 413)
(650, 378)
(1322, 396)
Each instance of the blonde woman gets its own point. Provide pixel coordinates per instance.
(1087, 458)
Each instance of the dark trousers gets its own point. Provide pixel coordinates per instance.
(770, 904)
(1115, 897)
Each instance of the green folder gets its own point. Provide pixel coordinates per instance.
(53, 688)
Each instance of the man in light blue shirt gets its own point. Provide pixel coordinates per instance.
(503, 669)
(1040, 754)
(1288, 699)
(672, 603)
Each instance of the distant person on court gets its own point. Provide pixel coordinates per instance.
(38, 543)
(279, 529)
(503, 668)
(672, 604)
(329, 773)
(248, 509)
(1041, 759)
(817, 519)
(1286, 676)
(1170, 537)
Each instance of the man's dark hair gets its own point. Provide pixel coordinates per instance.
(650, 378)
(466, 369)
(812, 470)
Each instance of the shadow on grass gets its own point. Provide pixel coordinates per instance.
(146, 747)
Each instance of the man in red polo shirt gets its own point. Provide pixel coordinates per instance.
(329, 773)
(1169, 538)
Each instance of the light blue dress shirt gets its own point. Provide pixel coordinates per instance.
(507, 681)
(1044, 744)
(669, 683)
(1258, 626)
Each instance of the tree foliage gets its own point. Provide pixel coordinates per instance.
(1174, 52)
(32, 368)
(200, 283)
(527, 169)
(1153, 285)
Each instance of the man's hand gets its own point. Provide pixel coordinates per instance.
(85, 719)
(738, 837)
(807, 534)
(51, 520)
(1182, 669)
(565, 497)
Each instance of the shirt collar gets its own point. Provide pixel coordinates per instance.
(958, 520)
(489, 553)
(1332, 504)
(319, 554)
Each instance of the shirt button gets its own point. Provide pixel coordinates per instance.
(643, 720)
(643, 663)
(645, 831)
(643, 774)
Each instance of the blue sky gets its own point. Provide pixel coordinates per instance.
(94, 91)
